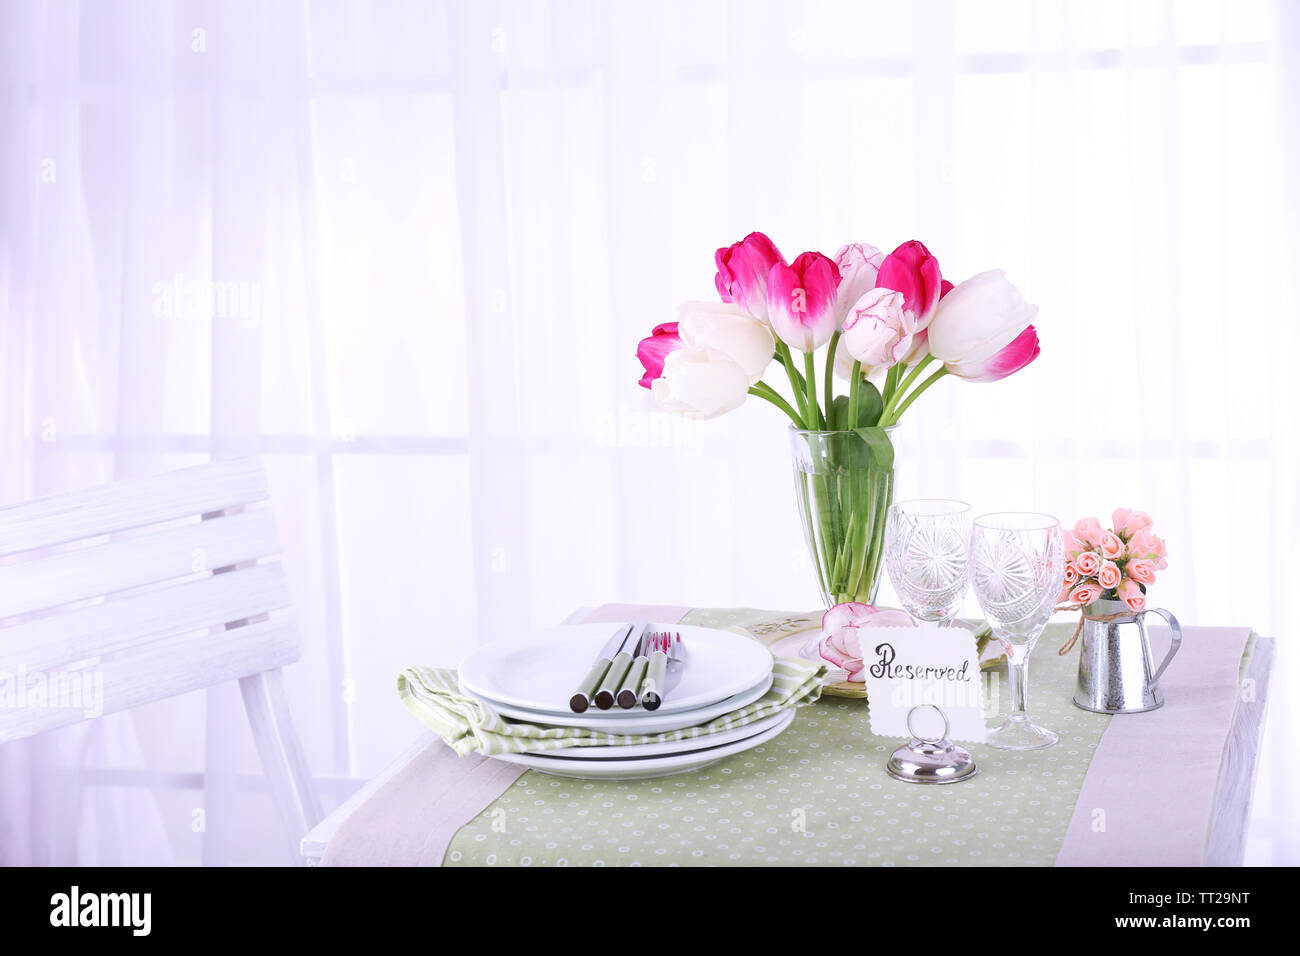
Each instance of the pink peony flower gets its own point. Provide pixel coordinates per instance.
(1109, 576)
(1131, 594)
(1088, 563)
(1086, 593)
(1141, 570)
(841, 644)
(1110, 546)
(1128, 523)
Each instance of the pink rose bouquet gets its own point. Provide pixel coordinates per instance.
(1118, 564)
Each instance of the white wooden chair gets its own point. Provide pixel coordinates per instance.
(156, 586)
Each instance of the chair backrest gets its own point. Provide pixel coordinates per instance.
(127, 593)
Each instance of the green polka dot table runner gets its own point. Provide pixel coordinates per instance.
(816, 795)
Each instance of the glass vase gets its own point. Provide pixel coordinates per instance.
(843, 494)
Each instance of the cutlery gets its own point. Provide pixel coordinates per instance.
(581, 698)
(618, 667)
(627, 694)
(664, 669)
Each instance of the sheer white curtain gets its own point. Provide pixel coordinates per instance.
(404, 251)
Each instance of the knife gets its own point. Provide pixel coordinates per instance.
(619, 666)
(581, 698)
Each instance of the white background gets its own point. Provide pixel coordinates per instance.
(457, 220)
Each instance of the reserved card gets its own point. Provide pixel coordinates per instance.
(926, 664)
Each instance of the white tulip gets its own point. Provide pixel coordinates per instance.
(701, 382)
(728, 329)
(982, 328)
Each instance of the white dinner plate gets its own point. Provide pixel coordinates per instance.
(538, 672)
(644, 768)
(636, 751)
(635, 721)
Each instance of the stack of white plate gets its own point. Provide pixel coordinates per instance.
(531, 679)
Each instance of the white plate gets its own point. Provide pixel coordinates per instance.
(644, 768)
(539, 671)
(636, 751)
(635, 721)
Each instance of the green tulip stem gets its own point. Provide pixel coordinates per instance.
(767, 392)
(830, 371)
(897, 413)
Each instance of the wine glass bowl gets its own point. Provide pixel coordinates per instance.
(926, 545)
(1017, 566)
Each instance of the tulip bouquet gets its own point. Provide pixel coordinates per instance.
(882, 321)
(1115, 564)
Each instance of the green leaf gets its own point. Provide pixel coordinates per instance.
(839, 413)
(870, 404)
(882, 449)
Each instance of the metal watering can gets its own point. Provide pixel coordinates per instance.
(1116, 673)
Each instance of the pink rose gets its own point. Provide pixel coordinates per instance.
(1131, 594)
(1088, 532)
(841, 644)
(1071, 574)
(1144, 544)
(1128, 523)
(1088, 563)
(1109, 576)
(1141, 570)
(1071, 543)
(1085, 593)
(1110, 546)
(801, 300)
(743, 268)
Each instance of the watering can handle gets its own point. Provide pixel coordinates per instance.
(1175, 633)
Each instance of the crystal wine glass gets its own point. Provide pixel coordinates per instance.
(1017, 567)
(926, 542)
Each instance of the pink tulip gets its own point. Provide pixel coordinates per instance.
(880, 331)
(858, 263)
(1085, 593)
(801, 300)
(743, 268)
(1110, 546)
(654, 350)
(1141, 570)
(913, 272)
(1130, 592)
(841, 643)
(982, 329)
(1128, 523)
(1088, 531)
(1088, 563)
(1109, 576)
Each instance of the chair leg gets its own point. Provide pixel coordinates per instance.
(282, 757)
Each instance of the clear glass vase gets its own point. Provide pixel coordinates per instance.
(843, 494)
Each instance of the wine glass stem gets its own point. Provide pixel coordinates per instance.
(1019, 675)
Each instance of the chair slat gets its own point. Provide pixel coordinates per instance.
(131, 503)
(169, 552)
(74, 635)
(148, 673)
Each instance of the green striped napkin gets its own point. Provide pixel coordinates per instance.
(469, 725)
